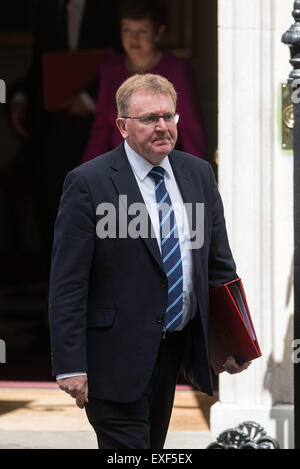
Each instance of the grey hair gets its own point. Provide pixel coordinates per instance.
(155, 84)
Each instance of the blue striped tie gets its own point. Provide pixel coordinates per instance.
(170, 248)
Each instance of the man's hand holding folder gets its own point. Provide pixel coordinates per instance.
(232, 336)
(232, 367)
(66, 74)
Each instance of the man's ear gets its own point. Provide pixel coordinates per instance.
(121, 124)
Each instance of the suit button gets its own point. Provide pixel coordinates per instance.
(159, 319)
(165, 284)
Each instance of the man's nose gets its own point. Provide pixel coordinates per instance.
(161, 124)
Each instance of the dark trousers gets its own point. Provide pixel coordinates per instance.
(141, 424)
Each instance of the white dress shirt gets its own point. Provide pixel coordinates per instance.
(75, 10)
(146, 183)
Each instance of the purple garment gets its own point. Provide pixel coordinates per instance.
(104, 133)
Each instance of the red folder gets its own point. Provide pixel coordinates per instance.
(67, 73)
(231, 327)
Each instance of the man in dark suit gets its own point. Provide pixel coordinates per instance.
(129, 286)
(58, 138)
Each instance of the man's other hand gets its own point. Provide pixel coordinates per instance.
(76, 106)
(232, 367)
(77, 387)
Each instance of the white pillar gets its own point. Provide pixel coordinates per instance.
(256, 183)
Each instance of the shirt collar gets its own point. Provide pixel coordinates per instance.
(142, 167)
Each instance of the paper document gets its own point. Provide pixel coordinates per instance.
(242, 308)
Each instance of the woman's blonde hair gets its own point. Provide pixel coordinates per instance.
(155, 84)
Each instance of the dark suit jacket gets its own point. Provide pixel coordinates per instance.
(108, 296)
(58, 140)
(58, 136)
(99, 30)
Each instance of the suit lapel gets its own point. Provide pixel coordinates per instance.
(125, 183)
(188, 191)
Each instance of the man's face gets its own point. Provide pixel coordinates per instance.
(152, 142)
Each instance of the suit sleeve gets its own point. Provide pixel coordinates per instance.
(32, 80)
(221, 265)
(73, 248)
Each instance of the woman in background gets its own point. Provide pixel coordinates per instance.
(142, 26)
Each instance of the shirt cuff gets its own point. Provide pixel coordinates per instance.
(69, 375)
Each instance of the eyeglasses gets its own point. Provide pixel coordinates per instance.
(153, 119)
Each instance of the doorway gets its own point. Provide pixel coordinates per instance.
(23, 280)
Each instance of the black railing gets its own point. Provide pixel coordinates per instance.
(292, 39)
(248, 435)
